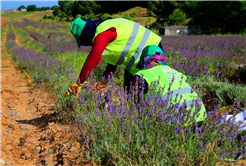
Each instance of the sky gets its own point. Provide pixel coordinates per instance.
(8, 4)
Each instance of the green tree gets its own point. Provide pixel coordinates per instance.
(126, 16)
(106, 6)
(72, 8)
(31, 8)
(90, 16)
(222, 17)
(133, 14)
(55, 7)
(162, 8)
(43, 8)
(78, 15)
(105, 15)
(68, 8)
(21, 7)
(51, 17)
(45, 17)
(61, 3)
(55, 12)
(61, 15)
(177, 17)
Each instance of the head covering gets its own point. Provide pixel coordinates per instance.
(149, 54)
(76, 29)
(88, 29)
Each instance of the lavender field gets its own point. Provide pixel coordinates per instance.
(122, 132)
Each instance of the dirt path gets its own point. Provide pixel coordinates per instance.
(30, 132)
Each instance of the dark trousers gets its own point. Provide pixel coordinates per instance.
(128, 77)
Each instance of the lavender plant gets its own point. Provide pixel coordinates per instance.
(128, 129)
(150, 132)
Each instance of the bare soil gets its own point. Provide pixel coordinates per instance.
(31, 133)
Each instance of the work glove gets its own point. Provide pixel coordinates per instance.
(75, 88)
(99, 85)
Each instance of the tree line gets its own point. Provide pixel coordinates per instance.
(30, 8)
(213, 16)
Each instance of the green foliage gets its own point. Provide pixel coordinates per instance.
(133, 14)
(122, 131)
(162, 8)
(105, 15)
(55, 12)
(45, 17)
(126, 16)
(120, 13)
(51, 17)
(116, 17)
(21, 7)
(177, 17)
(233, 11)
(158, 25)
(148, 22)
(223, 91)
(174, 58)
(31, 8)
(72, 8)
(43, 8)
(61, 14)
(55, 7)
(90, 16)
(67, 19)
(78, 15)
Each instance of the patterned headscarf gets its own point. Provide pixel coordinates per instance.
(149, 54)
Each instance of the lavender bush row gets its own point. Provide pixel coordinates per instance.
(53, 46)
(199, 55)
(149, 134)
(59, 36)
(57, 73)
(224, 92)
(143, 133)
(66, 40)
(73, 58)
(44, 25)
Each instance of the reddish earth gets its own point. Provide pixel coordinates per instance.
(31, 134)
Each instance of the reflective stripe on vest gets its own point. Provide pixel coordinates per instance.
(175, 92)
(126, 49)
(128, 45)
(189, 103)
(178, 87)
(139, 49)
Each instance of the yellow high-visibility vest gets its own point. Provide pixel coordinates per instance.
(131, 38)
(174, 85)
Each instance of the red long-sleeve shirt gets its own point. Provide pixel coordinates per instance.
(95, 55)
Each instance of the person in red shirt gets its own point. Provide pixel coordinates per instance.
(84, 32)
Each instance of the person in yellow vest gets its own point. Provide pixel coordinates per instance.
(153, 69)
(117, 41)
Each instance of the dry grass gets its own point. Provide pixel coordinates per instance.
(19, 14)
(141, 18)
